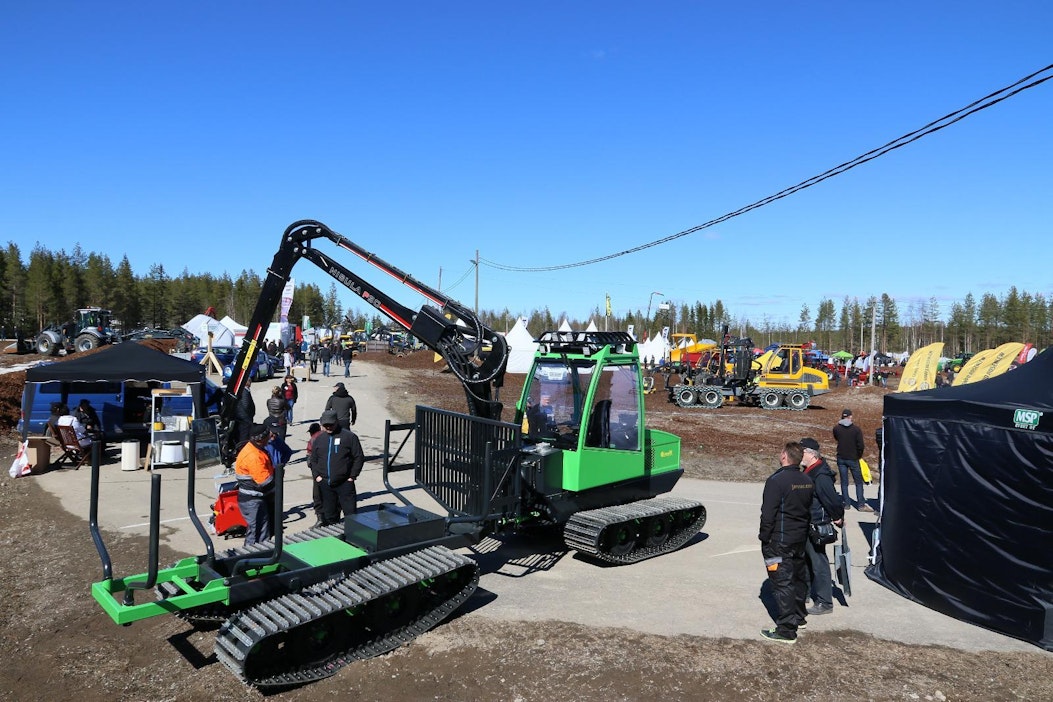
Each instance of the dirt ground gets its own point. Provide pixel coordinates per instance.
(56, 642)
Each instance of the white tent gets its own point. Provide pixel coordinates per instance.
(521, 347)
(565, 326)
(202, 324)
(591, 327)
(656, 347)
(236, 328)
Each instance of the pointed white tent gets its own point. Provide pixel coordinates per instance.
(565, 325)
(591, 327)
(521, 347)
(656, 347)
(236, 328)
(202, 324)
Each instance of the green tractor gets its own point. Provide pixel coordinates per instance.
(577, 457)
(958, 362)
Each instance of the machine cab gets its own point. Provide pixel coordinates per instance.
(582, 409)
(582, 403)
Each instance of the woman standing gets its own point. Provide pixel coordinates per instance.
(290, 392)
(276, 411)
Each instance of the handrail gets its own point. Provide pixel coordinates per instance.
(155, 537)
(191, 508)
(93, 511)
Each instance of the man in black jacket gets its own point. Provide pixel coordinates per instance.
(785, 513)
(344, 406)
(336, 461)
(850, 447)
(826, 509)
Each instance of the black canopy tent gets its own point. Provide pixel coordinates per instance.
(120, 363)
(967, 508)
(127, 361)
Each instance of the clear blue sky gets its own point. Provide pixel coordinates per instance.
(191, 134)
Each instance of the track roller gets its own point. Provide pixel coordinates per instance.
(635, 531)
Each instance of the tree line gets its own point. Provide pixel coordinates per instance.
(52, 285)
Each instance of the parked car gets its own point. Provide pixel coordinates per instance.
(123, 407)
(224, 354)
(263, 368)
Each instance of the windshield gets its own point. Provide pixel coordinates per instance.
(555, 398)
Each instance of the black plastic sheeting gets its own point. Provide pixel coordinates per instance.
(967, 511)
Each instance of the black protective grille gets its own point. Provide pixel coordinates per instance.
(468, 464)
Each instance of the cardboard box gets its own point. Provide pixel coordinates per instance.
(38, 452)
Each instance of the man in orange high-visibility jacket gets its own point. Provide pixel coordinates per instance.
(255, 474)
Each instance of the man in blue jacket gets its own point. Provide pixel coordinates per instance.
(785, 512)
(336, 461)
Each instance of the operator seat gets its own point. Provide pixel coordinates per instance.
(599, 431)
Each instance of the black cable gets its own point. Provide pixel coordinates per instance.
(930, 128)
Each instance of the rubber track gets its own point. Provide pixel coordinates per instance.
(584, 530)
(218, 613)
(248, 628)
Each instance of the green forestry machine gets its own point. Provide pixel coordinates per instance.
(577, 456)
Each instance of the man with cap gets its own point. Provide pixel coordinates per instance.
(344, 406)
(826, 508)
(849, 439)
(336, 461)
(254, 471)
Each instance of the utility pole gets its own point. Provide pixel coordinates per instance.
(873, 330)
(477, 282)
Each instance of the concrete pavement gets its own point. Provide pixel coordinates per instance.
(708, 588)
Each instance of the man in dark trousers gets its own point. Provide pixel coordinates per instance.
(336, 461)
(346, 355)
(785, 509)
(344, 406)
(325, 355)
(826, 508)
(849, 439)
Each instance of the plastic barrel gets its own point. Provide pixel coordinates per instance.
(129, 455)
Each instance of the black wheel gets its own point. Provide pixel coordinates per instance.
(712, 398)
(770, 400)
(86, 342)
(45, 346)
(657, 530)
(797, 400)
(686, 397)
(620, 539)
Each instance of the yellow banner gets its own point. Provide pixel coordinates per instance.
(993, 362)
(968, 372)
(920, 371)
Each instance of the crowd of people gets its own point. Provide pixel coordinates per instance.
(799, 509)
(334, 457)
(327, 352)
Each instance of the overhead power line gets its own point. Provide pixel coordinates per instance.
(930, 128)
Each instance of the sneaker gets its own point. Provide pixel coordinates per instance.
(802, 626)
(864, 507)
(773, 635)
(821, 609)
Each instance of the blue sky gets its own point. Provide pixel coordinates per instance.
(545, 133)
